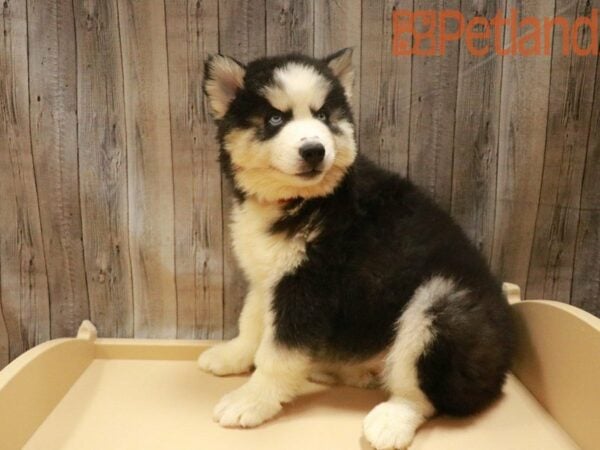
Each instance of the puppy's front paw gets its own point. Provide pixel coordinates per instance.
(391, 425)
(229, 358)
(245, 407)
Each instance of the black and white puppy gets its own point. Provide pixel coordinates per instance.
(354, 274)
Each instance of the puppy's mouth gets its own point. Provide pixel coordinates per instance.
(312, 173)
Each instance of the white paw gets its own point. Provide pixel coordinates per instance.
(229, 358)
(391, 425)
(245, 407)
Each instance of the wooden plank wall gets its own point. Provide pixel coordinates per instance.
(112, 206)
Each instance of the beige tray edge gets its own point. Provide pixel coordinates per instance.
(34, 383)
(558, 361)
(45, 373)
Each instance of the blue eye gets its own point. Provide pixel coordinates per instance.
(275, 120)
(321, 115)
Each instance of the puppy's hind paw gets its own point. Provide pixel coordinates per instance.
(391, 425)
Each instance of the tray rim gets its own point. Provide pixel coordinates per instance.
(89, 347)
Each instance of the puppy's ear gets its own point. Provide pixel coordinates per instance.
(340, 64)
(223, 78)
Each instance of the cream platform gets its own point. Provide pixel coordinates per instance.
(111, 394)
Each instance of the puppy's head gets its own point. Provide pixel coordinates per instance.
(285, 123)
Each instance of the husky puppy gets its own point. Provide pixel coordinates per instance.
(355, 275)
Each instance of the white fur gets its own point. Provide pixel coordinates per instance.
(297, 87)
(237, 356)
(280, 374)
(302, 90)
(393, 424)
(284, 148)
(264, 258)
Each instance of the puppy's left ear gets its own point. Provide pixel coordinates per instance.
(340, 64)
(223, 78)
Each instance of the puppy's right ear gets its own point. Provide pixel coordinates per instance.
(223, 78)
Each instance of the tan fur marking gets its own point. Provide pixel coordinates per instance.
(226, 77)
(256, 176)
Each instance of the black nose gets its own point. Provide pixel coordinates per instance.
(312, 153)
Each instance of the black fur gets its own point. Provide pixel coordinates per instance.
(379, 239)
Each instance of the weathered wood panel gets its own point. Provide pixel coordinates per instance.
(433, 102)
(242, 29)
(112, 203)
(289, 26)
(192, 34)
(586, 272)
(149, 166)
(525, 90)
(242, 35)
(53, 115)
(476, 136)
(336, 27)
(570, 107)
(103, 167)
(24, 307)
(385, 88)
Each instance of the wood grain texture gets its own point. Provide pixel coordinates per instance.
(476, 136)
(433, 102)
(524, 91)
(149, 167)
(242, 35)
(103, 167)
(242, 31)
(53, 116)
(113, 206)
(571, 96)
(337, 26)
(289, 26)
(24, 307)
(385, 88)
(586, 268)
(192, 34)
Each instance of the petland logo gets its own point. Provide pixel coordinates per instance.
(428, 32)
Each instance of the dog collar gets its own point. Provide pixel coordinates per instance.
(285, 202)
(282, 202)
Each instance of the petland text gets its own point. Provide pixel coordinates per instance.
(428, 32)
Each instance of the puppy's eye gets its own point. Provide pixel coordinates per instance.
(275, 120)
(321, 115)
